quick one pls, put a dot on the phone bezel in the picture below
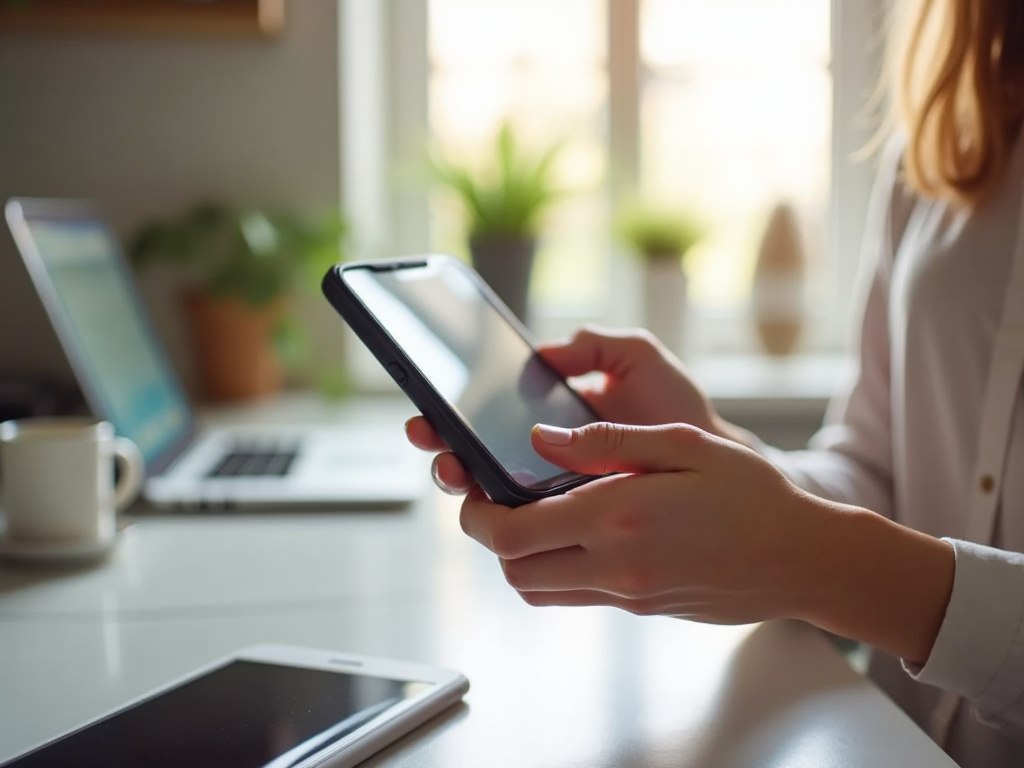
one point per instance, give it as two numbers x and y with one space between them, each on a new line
448 686
442 415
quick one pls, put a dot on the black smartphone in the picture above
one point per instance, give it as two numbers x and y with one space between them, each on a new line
467 363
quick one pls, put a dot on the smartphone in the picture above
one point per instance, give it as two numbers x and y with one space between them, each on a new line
267 706
467 363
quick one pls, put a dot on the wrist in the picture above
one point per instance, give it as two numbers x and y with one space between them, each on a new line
873 580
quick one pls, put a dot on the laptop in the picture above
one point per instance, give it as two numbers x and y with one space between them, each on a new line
79 270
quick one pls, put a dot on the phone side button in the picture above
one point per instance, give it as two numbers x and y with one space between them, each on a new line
397 373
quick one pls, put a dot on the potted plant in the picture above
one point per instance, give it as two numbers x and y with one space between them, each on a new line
662 236
242 266
504 201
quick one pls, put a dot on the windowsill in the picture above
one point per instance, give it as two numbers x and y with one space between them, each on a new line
782 401
754 381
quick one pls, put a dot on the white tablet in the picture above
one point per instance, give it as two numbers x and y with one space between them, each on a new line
268 706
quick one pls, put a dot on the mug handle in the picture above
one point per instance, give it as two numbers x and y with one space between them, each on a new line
131 472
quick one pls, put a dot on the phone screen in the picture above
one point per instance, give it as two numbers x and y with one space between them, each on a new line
242 714
436 312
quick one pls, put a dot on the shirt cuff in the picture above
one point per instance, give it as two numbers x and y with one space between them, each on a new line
979 651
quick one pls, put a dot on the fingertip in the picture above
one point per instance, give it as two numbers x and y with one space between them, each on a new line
550 435
419 432
553 345
450 476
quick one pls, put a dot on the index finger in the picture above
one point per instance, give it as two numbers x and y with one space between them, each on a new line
553 523
595 350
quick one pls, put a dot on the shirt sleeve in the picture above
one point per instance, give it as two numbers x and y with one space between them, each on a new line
850 459
979 651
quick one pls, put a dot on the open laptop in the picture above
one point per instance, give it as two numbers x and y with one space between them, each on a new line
78 267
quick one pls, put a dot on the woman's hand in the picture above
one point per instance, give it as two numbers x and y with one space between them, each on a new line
694 526
631 379
699 527
638 381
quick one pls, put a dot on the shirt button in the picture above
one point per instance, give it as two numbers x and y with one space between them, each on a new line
987 483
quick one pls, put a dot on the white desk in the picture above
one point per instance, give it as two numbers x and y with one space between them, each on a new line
550 687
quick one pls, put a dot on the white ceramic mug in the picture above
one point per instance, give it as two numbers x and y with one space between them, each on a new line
57 476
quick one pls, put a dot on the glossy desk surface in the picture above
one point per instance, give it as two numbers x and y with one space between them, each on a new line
550 687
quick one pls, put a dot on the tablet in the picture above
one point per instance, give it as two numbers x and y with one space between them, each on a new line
267 706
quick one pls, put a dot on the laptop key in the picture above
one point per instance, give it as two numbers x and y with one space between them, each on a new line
255 463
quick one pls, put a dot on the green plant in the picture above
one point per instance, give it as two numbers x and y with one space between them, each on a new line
255 257
508 195
657 231
247 254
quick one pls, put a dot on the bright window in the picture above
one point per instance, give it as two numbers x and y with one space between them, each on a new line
543 65
736 115
724 106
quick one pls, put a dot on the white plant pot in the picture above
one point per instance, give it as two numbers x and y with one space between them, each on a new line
665 302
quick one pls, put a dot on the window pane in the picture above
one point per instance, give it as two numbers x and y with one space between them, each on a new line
736 115
735 108
542 64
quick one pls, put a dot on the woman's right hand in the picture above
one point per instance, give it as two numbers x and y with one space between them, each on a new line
630 379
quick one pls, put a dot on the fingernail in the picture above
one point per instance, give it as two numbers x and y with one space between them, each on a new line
553 435
441 484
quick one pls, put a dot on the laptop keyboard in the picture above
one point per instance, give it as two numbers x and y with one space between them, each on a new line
256 460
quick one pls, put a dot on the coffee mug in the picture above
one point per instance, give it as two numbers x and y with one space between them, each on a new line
57 477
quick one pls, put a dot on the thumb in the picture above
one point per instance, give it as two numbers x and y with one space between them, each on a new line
603 448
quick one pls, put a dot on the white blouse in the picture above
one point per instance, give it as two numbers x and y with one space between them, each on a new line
931 434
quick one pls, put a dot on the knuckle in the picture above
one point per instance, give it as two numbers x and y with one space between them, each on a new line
629 522
643 342
535 599
504 539
685 436
606 434
585 333
513 572
636 582
465 522
642 607
603 441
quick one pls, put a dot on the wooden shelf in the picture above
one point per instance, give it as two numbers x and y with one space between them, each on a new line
232 18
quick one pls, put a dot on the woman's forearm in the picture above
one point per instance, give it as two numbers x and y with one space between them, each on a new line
873 580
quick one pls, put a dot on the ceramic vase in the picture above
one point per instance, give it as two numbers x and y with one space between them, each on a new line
665 299
777 293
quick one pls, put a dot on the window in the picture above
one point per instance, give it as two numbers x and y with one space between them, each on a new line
737 105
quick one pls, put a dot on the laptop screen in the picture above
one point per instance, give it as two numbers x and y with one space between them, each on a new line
105 331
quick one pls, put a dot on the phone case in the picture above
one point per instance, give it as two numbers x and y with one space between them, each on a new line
481 463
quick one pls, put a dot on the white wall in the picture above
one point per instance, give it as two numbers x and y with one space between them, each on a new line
147 125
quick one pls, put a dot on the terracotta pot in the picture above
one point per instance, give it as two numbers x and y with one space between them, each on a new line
505 264
233 346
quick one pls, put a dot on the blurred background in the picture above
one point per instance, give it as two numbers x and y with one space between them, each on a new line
725 111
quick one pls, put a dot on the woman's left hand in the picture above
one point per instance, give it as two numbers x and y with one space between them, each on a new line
694 526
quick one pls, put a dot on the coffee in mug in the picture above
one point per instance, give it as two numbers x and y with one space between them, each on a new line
58 480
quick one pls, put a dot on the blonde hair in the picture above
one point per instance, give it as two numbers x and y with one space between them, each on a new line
959 93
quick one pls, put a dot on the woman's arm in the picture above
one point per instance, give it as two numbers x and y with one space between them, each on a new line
697 527
979 650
